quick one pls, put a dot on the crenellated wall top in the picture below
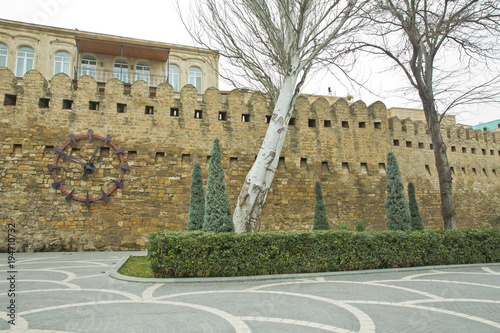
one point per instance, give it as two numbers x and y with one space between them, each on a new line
163 98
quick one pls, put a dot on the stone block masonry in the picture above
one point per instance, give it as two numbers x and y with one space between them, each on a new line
164 132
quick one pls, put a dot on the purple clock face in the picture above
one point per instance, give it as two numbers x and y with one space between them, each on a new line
88 168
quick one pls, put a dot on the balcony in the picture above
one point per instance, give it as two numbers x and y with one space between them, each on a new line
128 77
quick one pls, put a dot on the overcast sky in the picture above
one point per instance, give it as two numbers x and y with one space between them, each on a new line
157 20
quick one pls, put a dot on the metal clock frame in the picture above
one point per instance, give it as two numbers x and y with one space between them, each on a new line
88 167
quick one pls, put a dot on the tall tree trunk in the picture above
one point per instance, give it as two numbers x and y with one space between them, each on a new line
258 180
443 168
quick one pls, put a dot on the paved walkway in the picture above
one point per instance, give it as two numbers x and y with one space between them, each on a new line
74 292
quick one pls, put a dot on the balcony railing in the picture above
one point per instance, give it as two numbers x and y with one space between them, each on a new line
101 75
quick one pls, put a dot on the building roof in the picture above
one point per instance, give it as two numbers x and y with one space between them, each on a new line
157 50
491 125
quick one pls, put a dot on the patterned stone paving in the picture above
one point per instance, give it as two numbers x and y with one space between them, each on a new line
74 292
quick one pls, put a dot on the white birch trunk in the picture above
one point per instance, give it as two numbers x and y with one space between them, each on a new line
258 180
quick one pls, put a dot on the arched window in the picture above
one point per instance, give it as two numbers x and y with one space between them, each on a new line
3 55
195 78
89 65
25 60
62 63
121 70
142 71
485 129
173 76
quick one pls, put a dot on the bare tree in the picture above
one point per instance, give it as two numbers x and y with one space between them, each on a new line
272 45
437 43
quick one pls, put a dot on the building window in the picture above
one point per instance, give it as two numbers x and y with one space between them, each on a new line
25 60
43 103
173 76
121 70
11 100
89 65
381 168
62 63
195 78
93 105
303 164
174 112
121 108
142 72
67 104
3 55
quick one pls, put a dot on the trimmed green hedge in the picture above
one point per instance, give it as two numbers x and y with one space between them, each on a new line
201 254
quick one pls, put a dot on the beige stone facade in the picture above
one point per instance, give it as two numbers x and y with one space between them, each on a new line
79 53
165 127
342 145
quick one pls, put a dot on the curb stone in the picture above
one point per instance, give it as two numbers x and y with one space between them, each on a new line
114 274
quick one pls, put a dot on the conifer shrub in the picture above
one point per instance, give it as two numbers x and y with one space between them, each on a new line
396 206
320 217
416 218
218 215
197 202
201 254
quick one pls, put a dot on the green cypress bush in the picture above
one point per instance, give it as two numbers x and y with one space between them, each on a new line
218 215
416 218
396 206
320 217
197 204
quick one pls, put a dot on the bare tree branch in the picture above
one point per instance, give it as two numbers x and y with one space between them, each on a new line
272 46
437 44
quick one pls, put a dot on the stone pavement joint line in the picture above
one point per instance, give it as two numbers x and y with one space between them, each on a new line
75 292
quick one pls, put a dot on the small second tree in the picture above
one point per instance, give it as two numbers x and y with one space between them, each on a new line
416 218
197 204
218 215
396 206
320 217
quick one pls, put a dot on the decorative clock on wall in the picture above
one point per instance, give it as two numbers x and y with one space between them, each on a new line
88 168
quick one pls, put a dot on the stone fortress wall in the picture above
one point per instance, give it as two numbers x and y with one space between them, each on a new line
342 145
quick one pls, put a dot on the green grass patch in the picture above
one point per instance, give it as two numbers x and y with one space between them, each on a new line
137 267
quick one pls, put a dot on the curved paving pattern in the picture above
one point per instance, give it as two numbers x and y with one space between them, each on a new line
73 292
